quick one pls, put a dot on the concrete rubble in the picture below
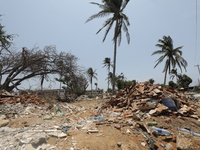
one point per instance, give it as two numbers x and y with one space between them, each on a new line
145 116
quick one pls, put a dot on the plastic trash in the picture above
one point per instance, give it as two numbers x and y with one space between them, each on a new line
48 118
117 126
188 131
98 118
93 131
60 114
151 123
161 131
58 108
151 104
167 120
169 103
65 129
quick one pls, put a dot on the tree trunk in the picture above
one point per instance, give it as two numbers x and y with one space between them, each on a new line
91 85
165 78
108 79
115 55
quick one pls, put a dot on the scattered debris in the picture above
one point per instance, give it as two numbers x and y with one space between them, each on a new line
142 116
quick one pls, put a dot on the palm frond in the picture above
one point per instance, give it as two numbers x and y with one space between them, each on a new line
109 25
98 15
125 2
119 38
157 52
125 29
107 22
99 5
125 19
159 60
166 66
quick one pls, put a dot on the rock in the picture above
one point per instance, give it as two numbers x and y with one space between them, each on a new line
143 144
2 117
119 144
38 142
157 91
4 123
169 146
4 129
29 147
62 135
26 140
194 116
57 134
153 111
183 142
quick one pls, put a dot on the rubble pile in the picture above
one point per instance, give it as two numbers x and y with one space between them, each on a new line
23 99
140 117
144 96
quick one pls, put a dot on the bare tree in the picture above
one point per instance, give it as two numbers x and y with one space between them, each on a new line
32 63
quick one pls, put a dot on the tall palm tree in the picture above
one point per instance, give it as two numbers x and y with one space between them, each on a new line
91 74
114 7
173 56
107 63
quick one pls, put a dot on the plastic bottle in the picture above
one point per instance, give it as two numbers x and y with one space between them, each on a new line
117 126
151 123
99 118
161 131
188 131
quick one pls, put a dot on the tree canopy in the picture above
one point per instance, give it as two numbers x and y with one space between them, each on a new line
172 55
114 7
35 63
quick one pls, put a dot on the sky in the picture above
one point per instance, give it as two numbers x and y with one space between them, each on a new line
62 23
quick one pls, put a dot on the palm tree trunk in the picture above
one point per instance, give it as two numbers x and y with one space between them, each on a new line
115 55
168 67
91 85
165 78
108 78
114 66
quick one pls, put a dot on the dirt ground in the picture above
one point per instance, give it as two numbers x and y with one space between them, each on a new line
108 137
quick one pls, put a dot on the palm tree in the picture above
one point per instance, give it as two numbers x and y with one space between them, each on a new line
96 85
173 56
114 7
151 80
109 78
107 63
91 74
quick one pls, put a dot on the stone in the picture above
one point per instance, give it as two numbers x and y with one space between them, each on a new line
119 144
4 123
2 117
183 142
29 147
57 134
153 111
143 144
169 146
62 135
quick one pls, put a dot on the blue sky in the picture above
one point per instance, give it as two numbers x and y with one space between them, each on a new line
62 23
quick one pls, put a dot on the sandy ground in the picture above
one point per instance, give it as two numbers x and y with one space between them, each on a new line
129 137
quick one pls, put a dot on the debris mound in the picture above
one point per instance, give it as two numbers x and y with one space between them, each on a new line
144 94
23 99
